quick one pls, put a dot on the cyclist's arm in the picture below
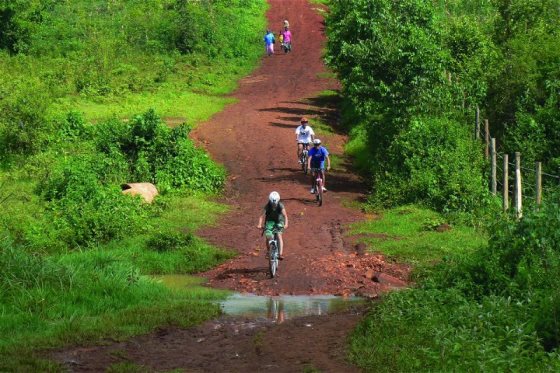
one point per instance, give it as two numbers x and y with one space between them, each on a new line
328 162
261 219
285 218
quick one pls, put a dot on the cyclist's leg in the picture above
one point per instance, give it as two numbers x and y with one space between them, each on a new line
299 150
280 229
313 177
268 227
323 175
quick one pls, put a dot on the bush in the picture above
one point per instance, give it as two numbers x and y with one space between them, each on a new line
169 241
84 210
155 153
23 124
433 161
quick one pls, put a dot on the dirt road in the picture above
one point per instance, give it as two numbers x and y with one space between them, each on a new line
255 140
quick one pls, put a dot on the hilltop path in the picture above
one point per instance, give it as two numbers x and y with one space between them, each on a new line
255 140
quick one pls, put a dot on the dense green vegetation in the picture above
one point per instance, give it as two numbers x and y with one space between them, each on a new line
413 73
411 69
83 89
496 309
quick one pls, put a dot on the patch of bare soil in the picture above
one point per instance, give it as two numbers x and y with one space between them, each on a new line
229 345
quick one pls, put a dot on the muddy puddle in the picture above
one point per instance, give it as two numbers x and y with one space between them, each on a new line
285 307
272 308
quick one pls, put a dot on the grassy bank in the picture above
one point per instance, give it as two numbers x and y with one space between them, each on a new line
89 93
482 302
103 291
417 235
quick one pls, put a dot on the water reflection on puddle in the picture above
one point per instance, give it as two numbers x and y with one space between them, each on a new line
284 307
271 308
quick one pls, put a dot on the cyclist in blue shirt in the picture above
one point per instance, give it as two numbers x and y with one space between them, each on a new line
316 163
269 41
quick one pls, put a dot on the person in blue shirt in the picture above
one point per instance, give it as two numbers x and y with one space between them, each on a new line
316 163
269 41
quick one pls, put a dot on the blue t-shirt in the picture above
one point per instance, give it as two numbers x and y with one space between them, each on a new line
269 38
318 156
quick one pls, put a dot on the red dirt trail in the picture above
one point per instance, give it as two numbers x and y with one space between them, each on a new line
254 138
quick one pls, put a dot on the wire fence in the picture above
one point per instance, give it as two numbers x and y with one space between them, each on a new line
518 181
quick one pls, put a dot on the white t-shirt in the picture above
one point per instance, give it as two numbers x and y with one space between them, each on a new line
304 134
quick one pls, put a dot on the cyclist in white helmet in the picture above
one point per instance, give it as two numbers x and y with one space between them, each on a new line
274 216
304 136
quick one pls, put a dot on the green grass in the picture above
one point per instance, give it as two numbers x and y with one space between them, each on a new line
326 75
82 296
321 2
441 331
356 148
182 214
187 106
192 96
409 234
156 305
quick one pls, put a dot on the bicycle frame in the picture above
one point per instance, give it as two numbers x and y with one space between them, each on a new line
303 158
274 253
319 182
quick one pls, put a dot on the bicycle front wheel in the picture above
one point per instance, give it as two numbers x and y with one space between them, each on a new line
273 262
319 191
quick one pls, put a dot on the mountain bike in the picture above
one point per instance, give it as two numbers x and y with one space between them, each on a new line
273 253
318 185
303 158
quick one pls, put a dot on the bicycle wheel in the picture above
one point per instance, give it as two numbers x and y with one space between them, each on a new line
273 262
320 192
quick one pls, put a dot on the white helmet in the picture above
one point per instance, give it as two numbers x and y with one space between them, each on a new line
316 141
274 197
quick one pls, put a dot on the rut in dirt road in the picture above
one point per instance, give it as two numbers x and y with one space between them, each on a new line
255 140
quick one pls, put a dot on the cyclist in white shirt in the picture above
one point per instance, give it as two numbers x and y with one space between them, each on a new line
304 135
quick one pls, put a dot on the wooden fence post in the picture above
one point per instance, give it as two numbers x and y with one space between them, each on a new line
538 178
518 192
486 138
493 181
477 124
505 192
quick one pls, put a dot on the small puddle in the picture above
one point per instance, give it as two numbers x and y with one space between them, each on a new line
273 308
285 307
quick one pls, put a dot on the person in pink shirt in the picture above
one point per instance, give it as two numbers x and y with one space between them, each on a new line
287 39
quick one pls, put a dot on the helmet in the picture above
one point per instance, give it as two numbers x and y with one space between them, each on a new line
274 197
316 142
304 120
